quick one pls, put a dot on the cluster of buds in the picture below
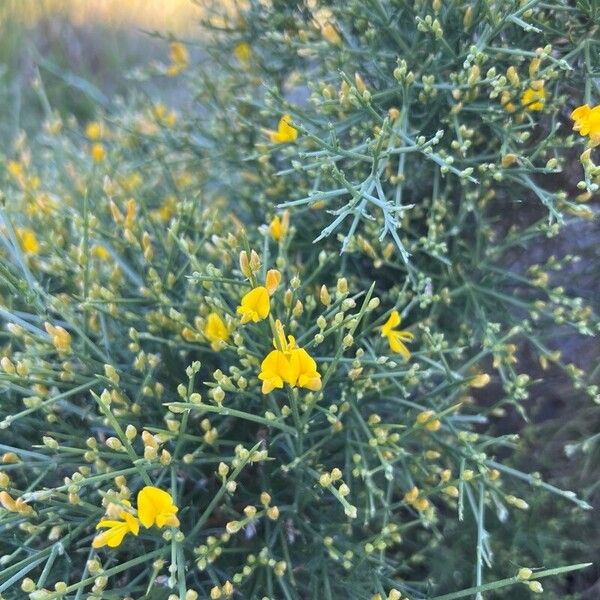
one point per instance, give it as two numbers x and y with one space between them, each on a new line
329 480
382 435
15 505
428 420
21 368
243 456
152 445
345 558
211 550
60 337
389 536
414 498
189 595
224 591
249 265
524 575
517 388
393 594
430 25
252 514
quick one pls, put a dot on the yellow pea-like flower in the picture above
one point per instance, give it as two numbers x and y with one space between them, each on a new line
97 152
275 370
308 376
179 58
587 122
93 131
28 241
288 364
156 507
178 53
243 52
15 169
534 99
100 252
215 331
116 530
285 131
255 305
395 337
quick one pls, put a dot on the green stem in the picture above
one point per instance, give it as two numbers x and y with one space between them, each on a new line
123 438
496 585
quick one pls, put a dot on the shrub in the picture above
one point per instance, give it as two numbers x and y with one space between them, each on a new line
156 265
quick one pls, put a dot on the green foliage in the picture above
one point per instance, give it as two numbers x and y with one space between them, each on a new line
425 155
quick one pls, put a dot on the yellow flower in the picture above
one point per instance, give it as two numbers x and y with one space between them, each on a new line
116 530
275 370
179 58
581 116
216 331
288 364
587 122
279 227
308 376
534 99
255 305
97 152
93 131
163 115
396 338
285 132
178 53
28 241
243 52
155 506
100 252
16 169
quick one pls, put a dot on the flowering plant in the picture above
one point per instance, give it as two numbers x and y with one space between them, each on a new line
181 328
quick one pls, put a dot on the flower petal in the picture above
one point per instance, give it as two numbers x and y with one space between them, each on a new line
397 346
133 523
393 321
111 537
255 305
152 501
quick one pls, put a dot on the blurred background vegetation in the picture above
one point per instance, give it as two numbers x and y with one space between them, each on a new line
85 55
